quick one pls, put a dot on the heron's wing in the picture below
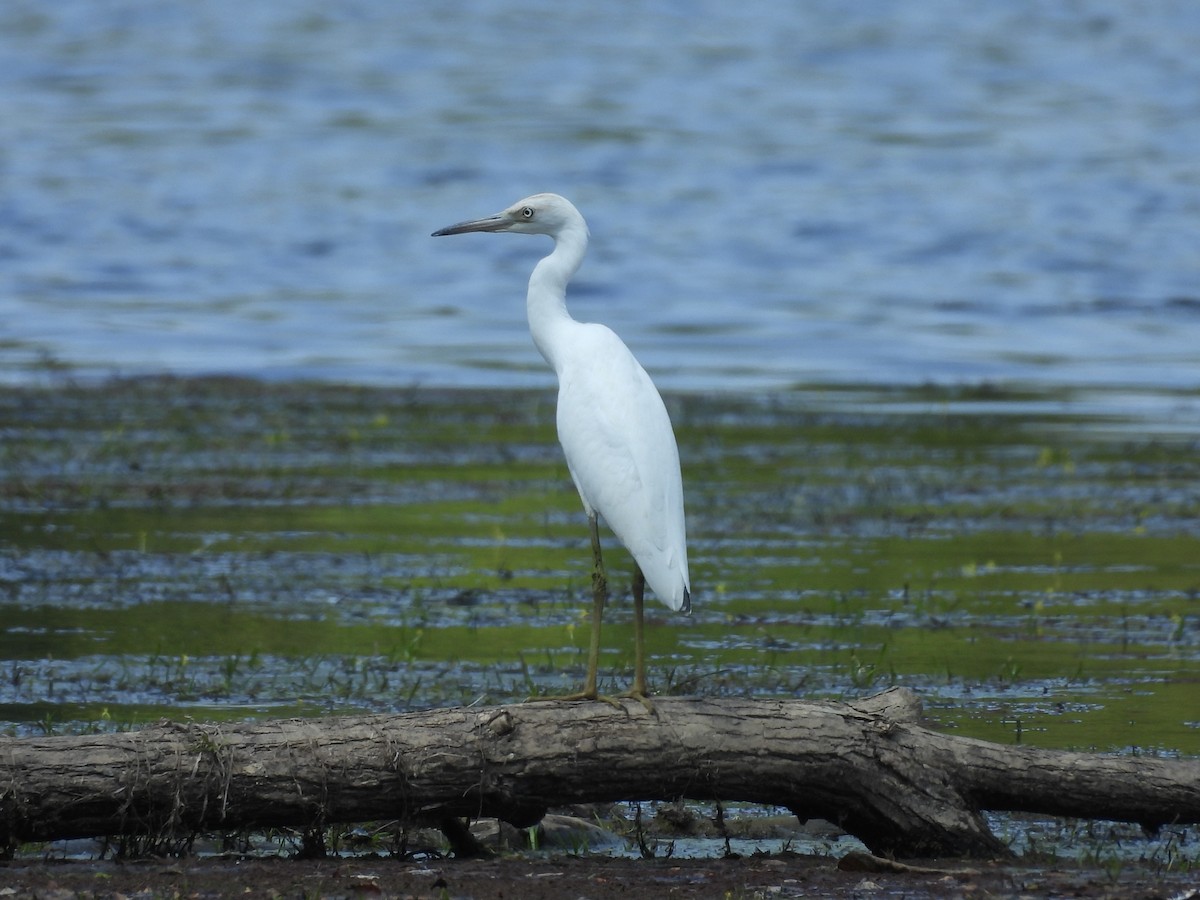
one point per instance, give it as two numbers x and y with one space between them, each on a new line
622 454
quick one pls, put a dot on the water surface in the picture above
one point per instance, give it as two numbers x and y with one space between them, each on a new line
778 193
230 549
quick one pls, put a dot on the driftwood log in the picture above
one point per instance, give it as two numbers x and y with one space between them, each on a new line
869 766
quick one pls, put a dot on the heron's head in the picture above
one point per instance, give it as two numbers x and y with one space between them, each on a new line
540 214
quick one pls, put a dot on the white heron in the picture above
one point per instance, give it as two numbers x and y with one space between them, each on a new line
612 424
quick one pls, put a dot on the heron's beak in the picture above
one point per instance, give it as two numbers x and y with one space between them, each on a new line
497 222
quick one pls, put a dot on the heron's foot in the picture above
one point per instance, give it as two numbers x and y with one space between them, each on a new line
579 697
640 696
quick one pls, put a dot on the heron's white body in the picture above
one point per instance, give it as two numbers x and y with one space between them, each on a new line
613 426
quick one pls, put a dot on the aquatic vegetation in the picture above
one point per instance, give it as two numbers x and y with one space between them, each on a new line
228 549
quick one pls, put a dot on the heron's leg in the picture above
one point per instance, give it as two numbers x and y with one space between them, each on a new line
638 691
599 597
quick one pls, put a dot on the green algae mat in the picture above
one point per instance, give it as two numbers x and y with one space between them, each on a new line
226 549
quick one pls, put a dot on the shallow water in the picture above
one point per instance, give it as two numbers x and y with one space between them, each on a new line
229 549
779 194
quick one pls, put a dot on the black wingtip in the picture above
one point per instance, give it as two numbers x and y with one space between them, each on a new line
686 609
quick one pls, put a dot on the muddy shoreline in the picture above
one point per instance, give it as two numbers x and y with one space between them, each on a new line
568 876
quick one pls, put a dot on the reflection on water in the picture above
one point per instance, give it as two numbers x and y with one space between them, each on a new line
803 193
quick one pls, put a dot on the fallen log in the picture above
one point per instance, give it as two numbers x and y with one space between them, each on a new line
868 766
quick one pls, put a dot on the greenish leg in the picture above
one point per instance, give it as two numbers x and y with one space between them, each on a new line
638 691
599 597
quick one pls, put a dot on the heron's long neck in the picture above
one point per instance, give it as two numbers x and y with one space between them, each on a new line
546 303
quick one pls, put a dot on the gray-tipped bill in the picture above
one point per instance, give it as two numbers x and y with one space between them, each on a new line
497 222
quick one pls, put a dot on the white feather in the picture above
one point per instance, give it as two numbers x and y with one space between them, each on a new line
621 450
612 423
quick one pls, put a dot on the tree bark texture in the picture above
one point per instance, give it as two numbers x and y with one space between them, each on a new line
868 766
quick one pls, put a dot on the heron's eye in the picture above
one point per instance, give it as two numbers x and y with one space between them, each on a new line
527 212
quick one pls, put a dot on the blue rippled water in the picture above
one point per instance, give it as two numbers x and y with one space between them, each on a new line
779 193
